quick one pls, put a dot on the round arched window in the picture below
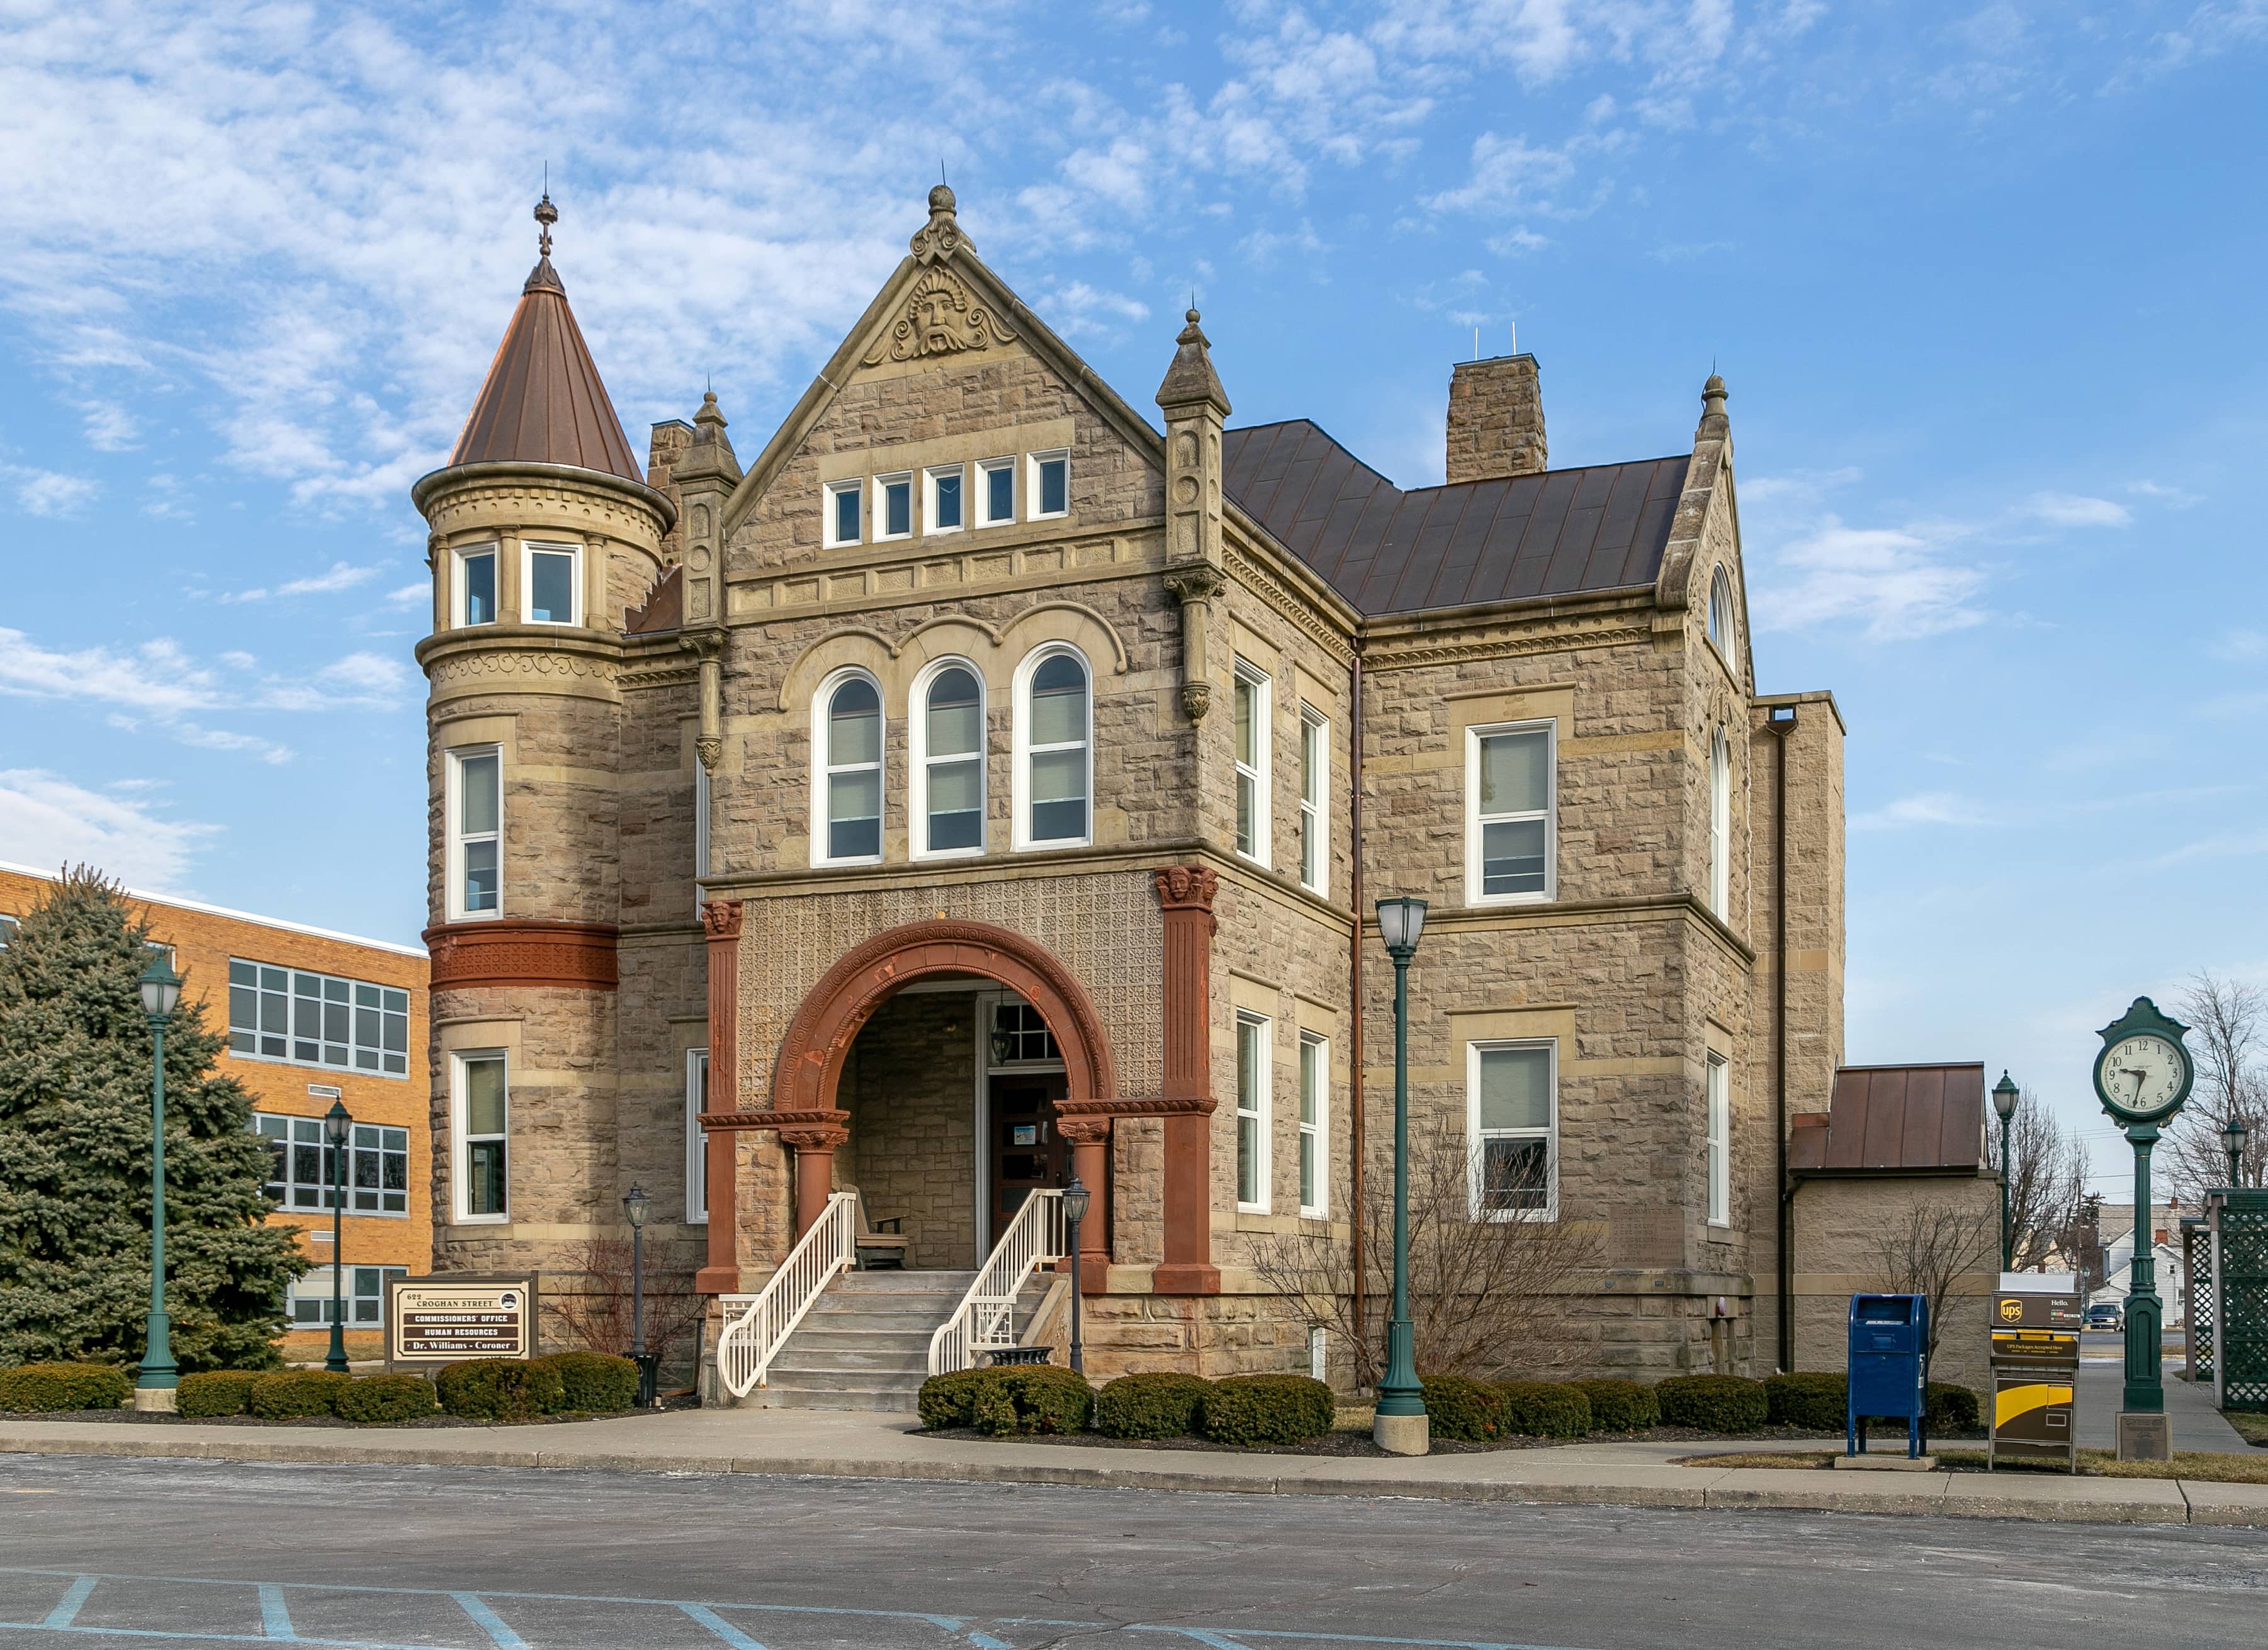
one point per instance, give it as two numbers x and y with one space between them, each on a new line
854 771
952 761
1721 612
1055 751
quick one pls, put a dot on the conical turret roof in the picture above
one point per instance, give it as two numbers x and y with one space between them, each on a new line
544 402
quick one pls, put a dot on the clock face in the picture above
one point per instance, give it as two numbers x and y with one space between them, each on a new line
2142 1075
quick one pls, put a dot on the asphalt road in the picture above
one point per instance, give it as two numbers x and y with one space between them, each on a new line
169 1553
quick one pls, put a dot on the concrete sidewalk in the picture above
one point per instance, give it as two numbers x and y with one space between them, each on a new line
812 1443
2196 1423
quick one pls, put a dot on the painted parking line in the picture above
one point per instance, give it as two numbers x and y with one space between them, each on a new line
483 1608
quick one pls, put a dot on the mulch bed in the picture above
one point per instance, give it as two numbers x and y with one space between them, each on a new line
1357 1444
137 1418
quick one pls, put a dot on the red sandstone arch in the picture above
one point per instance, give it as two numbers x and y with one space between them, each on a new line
819 1038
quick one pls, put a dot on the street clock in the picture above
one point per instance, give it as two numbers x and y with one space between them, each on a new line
2144 1073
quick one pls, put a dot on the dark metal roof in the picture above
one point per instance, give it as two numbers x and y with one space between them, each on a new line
544 402
1601 527
1909 1120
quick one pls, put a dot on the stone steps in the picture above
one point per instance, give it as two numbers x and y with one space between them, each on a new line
865 1343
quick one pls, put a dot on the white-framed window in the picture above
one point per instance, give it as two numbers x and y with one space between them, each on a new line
1252 1078
1510 802
474 853
473 590
1315 809
1720 825
1720 612
1512 1119
1314 1125
1251 696
700 834
1055 749
995 483
894 506
302 1163
845 502
947 734
696 1138
1720 1141
551 584
1047 485
945 503
1020 1036
7 930
846 805
308 1299
480 1093
306 1019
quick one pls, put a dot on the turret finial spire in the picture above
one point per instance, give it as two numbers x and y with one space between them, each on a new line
545 215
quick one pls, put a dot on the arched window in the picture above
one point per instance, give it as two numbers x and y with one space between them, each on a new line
948 730
1055 771
1720 612
1720 825
849 739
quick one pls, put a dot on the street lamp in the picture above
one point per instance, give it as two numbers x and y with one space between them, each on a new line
153 1388
1400 1425
2004 1102
634 1204
1074 1202
2232 1141
338 1124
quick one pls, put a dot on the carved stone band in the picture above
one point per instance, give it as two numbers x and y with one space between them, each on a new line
522 951
715 1121
1155 1106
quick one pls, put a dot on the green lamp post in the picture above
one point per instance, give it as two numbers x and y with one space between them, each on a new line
2232 1141
1401 1426
2004 1102
2142 1077
153 1388
338 1125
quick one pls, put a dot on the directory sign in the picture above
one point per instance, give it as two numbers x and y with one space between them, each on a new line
443 1319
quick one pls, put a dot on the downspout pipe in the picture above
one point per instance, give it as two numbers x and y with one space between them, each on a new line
1355 1138
1781 719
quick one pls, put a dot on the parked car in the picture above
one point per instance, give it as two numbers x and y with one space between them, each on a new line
2105 1315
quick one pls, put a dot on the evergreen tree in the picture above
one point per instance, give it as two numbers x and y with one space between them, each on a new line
75 1156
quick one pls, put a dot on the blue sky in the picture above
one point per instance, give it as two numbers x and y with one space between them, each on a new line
1985 283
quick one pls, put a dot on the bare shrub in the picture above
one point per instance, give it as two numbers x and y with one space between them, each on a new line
1487 1296
595 1309
1926 1253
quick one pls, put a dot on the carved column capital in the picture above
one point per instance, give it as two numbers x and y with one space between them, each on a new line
720 919
1186 887
1086 1131
1199 583
814 1139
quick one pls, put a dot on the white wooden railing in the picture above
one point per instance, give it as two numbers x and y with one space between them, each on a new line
985 1319
753 1339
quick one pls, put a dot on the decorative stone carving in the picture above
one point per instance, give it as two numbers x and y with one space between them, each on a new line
720 919
1184 887
940 318
940 238
709 751
522 951
1196 699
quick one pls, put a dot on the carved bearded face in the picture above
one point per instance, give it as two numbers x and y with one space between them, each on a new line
938 313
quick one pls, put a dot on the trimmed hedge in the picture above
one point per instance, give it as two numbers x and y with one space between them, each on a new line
1544 1409
1022 1398
215 1392
387 1397
1459 1408
63 1386
594 1382
950 1400
1816 1398
1953 1409
1268 1409
1714 1403
1620 1406
1163 1404
290 1394
500 1389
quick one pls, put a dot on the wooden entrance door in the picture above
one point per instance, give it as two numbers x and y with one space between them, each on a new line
1028 1150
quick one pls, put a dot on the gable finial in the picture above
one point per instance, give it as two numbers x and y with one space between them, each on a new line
941 236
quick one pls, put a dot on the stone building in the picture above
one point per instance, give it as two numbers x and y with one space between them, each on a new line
978 785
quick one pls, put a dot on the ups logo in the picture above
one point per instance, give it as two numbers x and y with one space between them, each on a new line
2012 1311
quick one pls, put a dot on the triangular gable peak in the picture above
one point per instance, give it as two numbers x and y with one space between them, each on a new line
942 307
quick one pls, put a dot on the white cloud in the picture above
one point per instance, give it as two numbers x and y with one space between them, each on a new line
49 492
342 576
47 821
2073 510
2172 497
110 427
1895 581
1928 808
408 593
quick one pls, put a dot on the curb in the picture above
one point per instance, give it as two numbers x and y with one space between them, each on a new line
2165 1500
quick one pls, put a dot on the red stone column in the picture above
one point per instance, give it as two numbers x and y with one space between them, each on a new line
1185 895
720 919
815 1167
1090 1165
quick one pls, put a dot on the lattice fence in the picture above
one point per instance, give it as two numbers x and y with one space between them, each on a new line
2244 1317
2197 1267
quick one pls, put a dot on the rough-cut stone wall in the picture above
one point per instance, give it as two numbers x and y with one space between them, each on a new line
1496 419
911 1091
1842 1227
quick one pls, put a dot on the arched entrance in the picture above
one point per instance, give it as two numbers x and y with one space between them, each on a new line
808 1072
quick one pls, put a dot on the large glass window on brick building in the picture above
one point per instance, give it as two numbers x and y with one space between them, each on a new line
316 1020
377 1168
362 1303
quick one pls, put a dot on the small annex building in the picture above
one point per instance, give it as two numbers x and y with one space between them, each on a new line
985 781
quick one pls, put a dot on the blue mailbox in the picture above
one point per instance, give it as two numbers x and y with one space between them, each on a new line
1889 1367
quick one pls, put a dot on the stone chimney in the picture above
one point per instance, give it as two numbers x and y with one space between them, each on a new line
1496 419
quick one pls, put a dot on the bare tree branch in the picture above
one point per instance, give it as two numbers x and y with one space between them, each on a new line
2048 1180
1935 1245
597 1315
1487 1296
2228 1019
